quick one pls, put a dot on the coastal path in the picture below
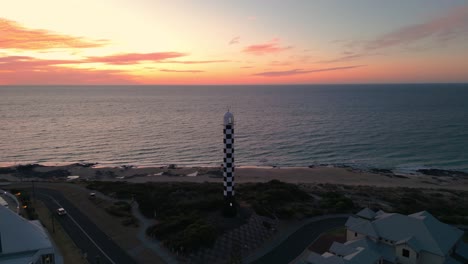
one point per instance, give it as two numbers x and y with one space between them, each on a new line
95 244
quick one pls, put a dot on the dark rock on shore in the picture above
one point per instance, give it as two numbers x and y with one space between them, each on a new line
443 173
126 167
170 173
7 170
381 171
215 173
344 166
85 164
42 174
28 167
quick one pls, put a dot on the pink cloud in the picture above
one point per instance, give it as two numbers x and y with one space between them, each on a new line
182 71
234 40
194 62
302 71
22 70
266 48
443 28
15 36
25 62
451 25
347 57
280 63
132 58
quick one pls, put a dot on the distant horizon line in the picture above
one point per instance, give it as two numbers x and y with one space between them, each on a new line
194 85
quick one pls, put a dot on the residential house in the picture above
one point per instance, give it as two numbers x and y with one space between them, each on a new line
381 238
23 241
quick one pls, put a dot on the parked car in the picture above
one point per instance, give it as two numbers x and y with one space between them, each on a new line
61 211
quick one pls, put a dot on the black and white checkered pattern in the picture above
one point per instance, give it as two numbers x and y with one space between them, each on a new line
228 165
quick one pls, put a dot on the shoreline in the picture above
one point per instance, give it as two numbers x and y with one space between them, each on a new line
404 171
322 174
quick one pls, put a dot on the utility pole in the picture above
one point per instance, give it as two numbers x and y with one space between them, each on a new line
34 191
53 223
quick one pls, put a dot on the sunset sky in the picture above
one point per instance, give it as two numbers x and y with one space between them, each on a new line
232 42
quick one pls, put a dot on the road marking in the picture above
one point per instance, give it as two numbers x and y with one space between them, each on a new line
76 223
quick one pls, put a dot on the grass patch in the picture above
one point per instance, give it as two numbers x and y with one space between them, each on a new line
336 232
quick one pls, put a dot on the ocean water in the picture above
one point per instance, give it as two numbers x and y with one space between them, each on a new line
402 127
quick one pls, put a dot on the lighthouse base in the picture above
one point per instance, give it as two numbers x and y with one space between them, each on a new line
230 207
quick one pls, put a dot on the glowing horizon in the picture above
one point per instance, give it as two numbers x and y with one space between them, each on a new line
211 42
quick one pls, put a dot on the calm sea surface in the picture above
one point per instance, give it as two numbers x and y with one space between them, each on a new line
401 127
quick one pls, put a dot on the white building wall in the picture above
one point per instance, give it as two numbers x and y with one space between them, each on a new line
351 235
405 260
428 258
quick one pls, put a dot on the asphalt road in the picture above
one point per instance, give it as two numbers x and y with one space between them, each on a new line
295 244
87 236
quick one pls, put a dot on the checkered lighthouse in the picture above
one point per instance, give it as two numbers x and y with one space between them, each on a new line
228 165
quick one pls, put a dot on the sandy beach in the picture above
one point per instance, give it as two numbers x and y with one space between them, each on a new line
314 175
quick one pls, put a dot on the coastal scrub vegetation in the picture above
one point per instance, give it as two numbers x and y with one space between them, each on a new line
449 206
277 199
123 210
189 214
31 170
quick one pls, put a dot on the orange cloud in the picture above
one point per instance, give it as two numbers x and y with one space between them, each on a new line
15 36
194 62
22 70
265 48
132 58
301 71
182 71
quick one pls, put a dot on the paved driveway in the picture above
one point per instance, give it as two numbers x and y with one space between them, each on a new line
295 244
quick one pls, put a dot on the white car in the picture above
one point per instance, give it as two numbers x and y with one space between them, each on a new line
61 211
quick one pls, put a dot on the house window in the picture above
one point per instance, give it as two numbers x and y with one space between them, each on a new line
405 253
47 259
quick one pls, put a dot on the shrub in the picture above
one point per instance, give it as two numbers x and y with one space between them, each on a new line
337 202
131 221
